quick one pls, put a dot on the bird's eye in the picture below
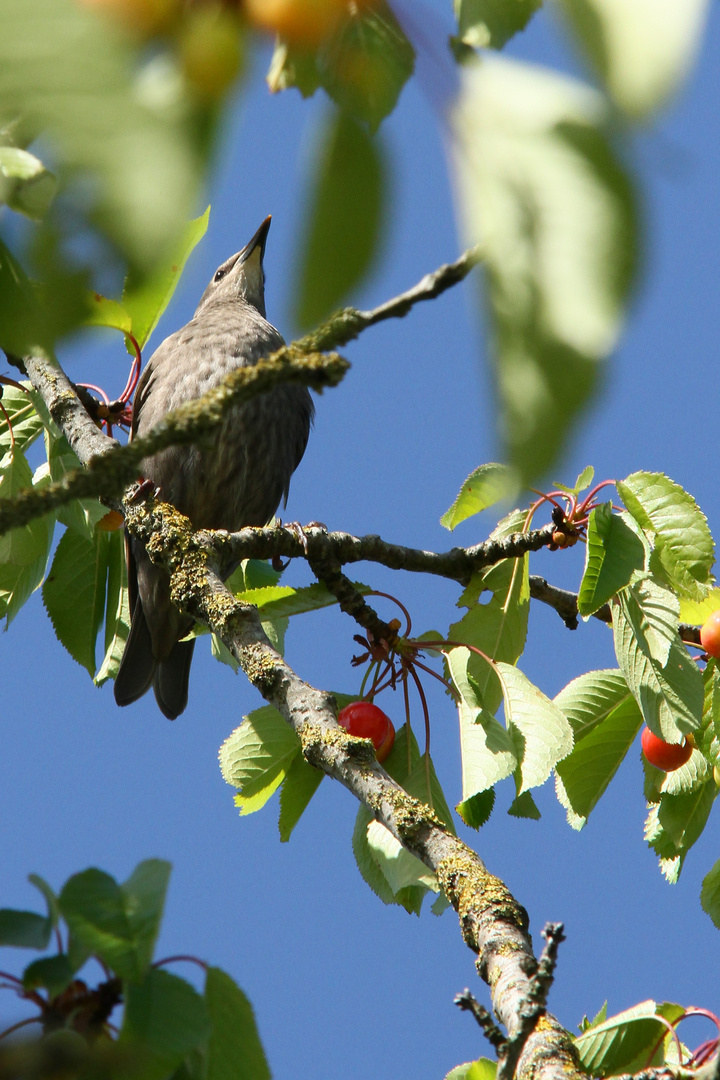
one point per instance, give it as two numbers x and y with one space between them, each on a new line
220 274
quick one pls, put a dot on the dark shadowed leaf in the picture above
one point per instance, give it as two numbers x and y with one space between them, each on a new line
343 229
24 929
74 593
612 554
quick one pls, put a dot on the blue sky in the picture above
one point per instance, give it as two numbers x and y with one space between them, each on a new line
342 985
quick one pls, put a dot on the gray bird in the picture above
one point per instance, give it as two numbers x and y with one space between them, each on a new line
239 481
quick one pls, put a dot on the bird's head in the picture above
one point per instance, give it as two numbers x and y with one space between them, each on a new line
241 277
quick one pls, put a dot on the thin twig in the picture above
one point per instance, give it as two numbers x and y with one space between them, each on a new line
490 1030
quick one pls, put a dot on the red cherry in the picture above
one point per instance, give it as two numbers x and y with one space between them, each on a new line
366 721
665 756
710 634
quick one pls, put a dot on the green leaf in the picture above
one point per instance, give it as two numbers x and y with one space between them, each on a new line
299 785
82 515
682 540
234 1049
104 312
144 300
674 824
53 973
24 420
697 611
23 551
50 898
486 24
74 593
605 719
343 228
259 752
117 609
612 554
25 184
710 894
662 676
542 191
482 1069
642 51
497 628
476 810
74 76
399 868
144 894
22 327
282 601
166 1015
524 806
363 66
487 750
117 923
24 929
484 487
540 732
624 1043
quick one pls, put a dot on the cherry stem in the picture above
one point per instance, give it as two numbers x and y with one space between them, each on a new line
406 613
7 419
12 978
134 375
406 696
20 1024
5 380
181 957
671 1030
426 714
369 668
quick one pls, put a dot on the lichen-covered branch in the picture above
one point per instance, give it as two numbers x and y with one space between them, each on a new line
492 922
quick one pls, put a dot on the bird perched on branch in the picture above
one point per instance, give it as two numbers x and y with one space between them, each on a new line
238 481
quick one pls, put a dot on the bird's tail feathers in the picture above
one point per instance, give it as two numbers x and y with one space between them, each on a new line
171 679
138 665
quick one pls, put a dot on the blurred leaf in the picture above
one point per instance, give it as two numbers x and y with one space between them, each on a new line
23 551
165 1014
258 752
613 552
605 719
50 898
543 193
22 326
681 537
491 23
343 228
71 74
363 66
540 732
663 678
498 627
144 893
24 929
25 184
300 784
52 972
484 487
104 312
234 1049
74 593
710 894
145 300
641 50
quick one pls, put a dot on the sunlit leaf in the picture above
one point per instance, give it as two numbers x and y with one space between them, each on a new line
710 894
539 730
25 184
484 487
542 192
491 23
258 752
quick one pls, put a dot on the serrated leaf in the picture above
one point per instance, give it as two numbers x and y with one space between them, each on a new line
343 227
300 784
682 540
524 806
710 894
363 66
623 1043
541 190
476 810
24 929
234 1049
540 732
23 551
482 1069
166 1015
53 973
675 823
74 593
399 868
484 487
497 628
490 24
605 719
410 898
663 678
25 184
144 301
612 554
642 50
259 752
